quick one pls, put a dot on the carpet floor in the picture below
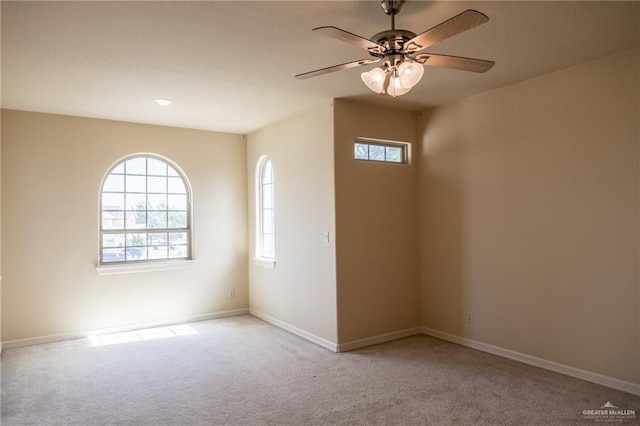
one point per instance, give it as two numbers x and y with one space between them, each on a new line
243 371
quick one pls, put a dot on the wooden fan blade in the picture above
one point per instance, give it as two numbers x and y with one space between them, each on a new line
455 62
456 25
356 40
334 68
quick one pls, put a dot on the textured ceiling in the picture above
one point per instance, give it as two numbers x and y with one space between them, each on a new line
229 66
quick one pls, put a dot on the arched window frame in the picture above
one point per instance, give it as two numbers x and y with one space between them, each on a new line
142 245
265 211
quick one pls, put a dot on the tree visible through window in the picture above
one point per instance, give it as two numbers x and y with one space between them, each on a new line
144 211
265 214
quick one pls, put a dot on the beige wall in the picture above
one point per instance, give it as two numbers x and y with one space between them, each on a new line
52 167
529 217
301 289
376 226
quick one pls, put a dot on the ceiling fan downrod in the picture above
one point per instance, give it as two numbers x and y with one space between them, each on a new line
392 8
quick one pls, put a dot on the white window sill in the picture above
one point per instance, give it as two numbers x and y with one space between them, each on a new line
143 267
266 263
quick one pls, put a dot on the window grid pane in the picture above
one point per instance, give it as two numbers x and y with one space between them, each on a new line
135 196
361 151
156 167
393 154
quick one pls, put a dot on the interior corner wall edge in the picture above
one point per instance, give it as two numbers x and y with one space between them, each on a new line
529 207
301 290
52 168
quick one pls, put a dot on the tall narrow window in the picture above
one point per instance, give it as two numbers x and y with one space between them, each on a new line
145 211
265 217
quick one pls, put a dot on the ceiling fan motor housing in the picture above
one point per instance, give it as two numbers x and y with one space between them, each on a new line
393 40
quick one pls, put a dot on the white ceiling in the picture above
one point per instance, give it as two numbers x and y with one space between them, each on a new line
229 66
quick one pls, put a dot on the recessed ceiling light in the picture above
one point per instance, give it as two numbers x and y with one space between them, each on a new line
163 102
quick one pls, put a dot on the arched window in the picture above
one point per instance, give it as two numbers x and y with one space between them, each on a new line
145 211
265 217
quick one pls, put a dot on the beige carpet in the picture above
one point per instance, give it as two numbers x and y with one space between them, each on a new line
241 370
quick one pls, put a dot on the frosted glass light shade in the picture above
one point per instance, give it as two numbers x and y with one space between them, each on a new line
410 73
374 79
395 87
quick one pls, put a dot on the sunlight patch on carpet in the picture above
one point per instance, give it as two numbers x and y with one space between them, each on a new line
141 335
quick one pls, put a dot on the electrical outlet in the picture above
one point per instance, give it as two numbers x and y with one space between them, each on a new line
231 294
469 316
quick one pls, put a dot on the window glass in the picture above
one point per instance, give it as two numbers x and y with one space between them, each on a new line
177 202
362 151
114 183
393 154
136 201
156 167
135 183
176 186
157 185
136 166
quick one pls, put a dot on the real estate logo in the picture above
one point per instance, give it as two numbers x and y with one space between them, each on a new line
609 413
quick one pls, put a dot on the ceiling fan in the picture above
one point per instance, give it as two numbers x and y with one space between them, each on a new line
400 51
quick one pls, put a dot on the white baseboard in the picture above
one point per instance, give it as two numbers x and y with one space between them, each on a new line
343 347
382 338
83 334
611 382
295 330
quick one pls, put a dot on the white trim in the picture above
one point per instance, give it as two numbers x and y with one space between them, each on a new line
264 262
129 268
611 382
83 334
295 330
382 338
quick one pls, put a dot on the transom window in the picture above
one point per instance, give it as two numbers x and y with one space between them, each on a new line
377 150
145 207
265 214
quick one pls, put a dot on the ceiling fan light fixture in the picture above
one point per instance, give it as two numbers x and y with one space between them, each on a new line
374 79
395 88
410 73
